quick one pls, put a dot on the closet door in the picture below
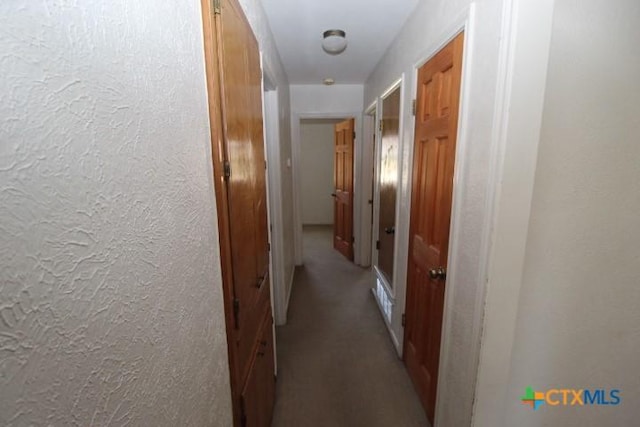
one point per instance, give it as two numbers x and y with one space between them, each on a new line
245 174
235 101
259 390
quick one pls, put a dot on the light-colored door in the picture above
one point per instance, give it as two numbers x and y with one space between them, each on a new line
343 188
431 196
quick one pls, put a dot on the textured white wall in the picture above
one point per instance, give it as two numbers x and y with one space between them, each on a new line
317 172
578 318
428 28
110 291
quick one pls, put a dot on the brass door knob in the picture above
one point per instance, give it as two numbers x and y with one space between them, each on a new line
439 273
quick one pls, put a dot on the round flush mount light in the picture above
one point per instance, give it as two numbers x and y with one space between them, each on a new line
328 81
334 42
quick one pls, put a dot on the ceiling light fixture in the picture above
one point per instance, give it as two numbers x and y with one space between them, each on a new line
328 81
334 42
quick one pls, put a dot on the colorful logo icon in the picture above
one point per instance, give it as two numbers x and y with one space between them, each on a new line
571 397
532 398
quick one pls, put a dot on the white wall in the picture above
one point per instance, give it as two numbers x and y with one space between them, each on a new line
578 319
319 101
526 37
316 140
110 290
273 66
430 26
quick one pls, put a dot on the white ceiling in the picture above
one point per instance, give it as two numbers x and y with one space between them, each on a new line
371 26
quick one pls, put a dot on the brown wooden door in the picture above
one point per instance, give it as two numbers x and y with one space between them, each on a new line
433 161
235 103
388 177
259 389
246 191
343 185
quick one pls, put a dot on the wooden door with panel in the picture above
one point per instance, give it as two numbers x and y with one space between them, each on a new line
388 182
241 90
343 185
235 100
258 393
431 196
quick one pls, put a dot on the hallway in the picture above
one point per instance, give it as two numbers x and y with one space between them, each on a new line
336 363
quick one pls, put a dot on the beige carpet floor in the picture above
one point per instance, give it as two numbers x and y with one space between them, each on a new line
336 363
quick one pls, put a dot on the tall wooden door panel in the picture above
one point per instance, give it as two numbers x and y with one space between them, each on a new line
242 112
388 181
259 390
343 184
431 196
235 101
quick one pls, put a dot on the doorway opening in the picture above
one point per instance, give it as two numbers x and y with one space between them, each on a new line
317 171
359 204
327 178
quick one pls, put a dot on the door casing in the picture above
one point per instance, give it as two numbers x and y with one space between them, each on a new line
369 150
279 277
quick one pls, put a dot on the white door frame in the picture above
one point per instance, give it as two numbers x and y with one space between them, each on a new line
369 132
522 75
271 128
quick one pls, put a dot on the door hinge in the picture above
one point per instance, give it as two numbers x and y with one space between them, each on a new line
413 107
404 319
354 134
378 244
353 239
381 125
227 170
265 165
236 312
215 7
269 247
